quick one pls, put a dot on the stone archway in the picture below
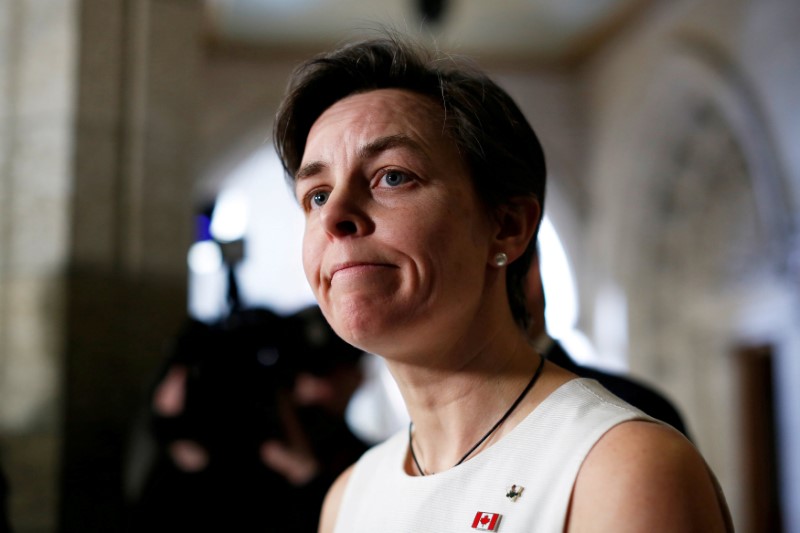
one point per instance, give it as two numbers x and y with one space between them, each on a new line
705 244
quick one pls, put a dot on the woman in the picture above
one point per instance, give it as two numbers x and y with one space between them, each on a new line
423 186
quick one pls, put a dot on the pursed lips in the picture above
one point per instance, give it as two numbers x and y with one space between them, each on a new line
356 268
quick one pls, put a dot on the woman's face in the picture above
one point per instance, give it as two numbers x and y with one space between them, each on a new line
397 243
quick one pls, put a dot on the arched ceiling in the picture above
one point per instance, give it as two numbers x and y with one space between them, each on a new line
545 30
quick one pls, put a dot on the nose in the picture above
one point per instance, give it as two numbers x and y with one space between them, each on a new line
345 214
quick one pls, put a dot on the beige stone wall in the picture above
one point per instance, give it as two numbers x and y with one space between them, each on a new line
37 81
134 173
97 170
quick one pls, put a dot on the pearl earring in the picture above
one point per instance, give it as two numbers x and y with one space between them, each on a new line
500 259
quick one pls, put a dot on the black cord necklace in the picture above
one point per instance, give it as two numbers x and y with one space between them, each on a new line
503 418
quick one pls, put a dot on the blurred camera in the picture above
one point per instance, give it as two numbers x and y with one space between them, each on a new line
239 369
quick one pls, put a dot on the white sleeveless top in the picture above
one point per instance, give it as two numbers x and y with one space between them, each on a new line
541 457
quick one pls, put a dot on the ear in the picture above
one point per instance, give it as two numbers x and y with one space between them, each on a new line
517 222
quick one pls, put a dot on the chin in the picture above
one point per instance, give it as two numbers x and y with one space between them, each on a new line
366 327
363 332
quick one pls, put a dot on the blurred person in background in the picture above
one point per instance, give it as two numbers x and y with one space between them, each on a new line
248 421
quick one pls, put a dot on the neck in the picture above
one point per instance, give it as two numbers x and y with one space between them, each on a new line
480 442
453 407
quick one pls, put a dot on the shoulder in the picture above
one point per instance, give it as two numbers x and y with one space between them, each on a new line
637 393
333 501
643 476
642 396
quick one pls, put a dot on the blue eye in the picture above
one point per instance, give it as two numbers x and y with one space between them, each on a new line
394 178
319 198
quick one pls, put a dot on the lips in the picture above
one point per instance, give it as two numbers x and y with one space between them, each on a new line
356 268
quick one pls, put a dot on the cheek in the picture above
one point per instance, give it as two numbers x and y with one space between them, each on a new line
312 259
465 229
452 248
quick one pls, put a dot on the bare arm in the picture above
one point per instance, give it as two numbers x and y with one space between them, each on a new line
644 477
333 501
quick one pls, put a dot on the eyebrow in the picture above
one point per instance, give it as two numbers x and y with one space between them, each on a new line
308 170
367 151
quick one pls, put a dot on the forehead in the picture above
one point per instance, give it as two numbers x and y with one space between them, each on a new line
362 116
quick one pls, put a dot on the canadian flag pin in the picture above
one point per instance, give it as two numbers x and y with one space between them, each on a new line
486 521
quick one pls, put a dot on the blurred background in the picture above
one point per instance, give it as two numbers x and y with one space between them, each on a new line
137 173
